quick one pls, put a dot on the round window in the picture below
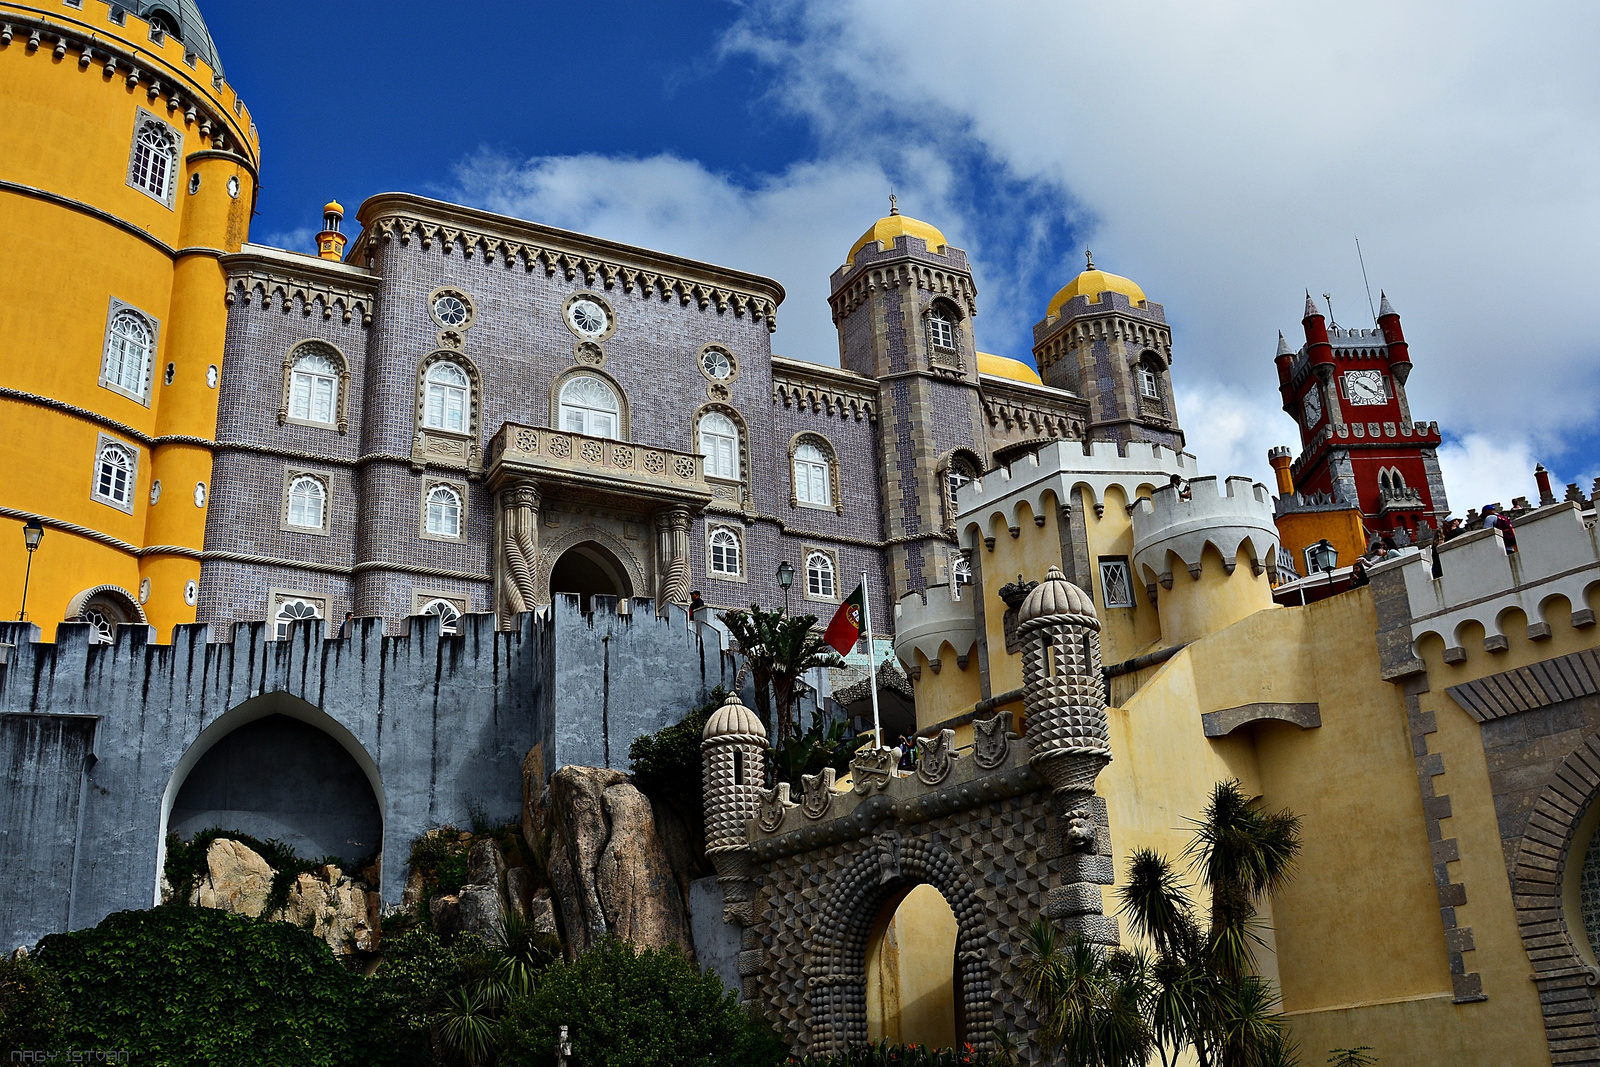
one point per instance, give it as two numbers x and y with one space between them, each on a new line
716 364
450 310
586 318
233 187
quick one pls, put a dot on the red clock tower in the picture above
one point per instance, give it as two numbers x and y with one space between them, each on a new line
1347 390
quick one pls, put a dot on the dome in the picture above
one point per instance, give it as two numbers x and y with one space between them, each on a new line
734 720
1091 283
1055 596
1002 367
180 18
893 225
333 207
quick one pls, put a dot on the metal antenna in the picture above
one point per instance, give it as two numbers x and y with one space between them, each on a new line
1331 320
1364 280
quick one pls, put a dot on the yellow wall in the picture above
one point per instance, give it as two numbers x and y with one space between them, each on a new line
1343 529
69 133
911 970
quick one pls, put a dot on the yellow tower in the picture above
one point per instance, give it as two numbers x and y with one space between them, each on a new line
330 242
130 167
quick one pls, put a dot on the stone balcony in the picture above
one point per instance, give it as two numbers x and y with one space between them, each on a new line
1401 499
558 459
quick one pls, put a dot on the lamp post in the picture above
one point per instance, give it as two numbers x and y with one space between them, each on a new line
785 580
32 534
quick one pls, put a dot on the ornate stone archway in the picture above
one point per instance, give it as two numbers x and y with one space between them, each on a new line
836 976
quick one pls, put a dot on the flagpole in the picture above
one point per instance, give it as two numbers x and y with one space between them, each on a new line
872 665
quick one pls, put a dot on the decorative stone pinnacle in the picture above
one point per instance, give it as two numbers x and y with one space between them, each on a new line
1089 256
894 206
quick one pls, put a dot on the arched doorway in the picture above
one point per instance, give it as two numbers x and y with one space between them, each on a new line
589 570
276 767
913 994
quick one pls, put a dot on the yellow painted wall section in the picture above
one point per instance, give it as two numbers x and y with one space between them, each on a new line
1194 607
951 692
1343 529
911 971
1124 632
1032 552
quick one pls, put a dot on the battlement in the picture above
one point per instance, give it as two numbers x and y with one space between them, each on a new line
1171 523
1302 503
1061 467
1109 303
931 623
1557 560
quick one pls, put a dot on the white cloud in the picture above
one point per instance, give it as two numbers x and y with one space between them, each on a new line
1479 469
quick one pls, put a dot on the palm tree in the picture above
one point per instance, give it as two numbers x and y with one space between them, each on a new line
779 648
1092 1008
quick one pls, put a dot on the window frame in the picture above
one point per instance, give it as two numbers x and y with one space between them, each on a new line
807 554
713 467
1121 563
116 310
423 599
146 120
589 410
278 598
429 486
291 477
103 443
315 346
830 460
958 565
737 536
728 493
733 363
592 371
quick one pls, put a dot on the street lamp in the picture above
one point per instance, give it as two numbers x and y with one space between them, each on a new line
32 534
1324 557
785 580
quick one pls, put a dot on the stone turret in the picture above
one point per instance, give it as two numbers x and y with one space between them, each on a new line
1065 699
733 766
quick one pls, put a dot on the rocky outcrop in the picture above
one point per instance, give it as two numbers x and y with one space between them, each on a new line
237 879
325 903
608 864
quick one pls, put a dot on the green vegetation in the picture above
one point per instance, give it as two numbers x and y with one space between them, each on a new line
627 1008
883 1054
666 764
779 648
32 1008
186 864
1194 988
1352 1057
195 986
823 745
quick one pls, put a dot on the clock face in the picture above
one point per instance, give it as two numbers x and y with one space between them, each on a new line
1313 407
1365 387
586 318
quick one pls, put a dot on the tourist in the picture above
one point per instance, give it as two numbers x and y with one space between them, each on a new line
349 616
695 603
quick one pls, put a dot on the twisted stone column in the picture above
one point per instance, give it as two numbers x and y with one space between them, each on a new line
672 556
516 589
1069 738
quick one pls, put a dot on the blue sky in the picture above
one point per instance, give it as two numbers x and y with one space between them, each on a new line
1223 155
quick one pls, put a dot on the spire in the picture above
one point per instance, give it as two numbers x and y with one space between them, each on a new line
894 206
1088 255
1311 307
1283 346
1385 308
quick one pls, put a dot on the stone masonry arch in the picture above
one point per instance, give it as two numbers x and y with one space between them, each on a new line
836 976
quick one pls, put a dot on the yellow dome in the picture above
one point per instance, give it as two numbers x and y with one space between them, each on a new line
893 225
1002 367
1091 283
333 207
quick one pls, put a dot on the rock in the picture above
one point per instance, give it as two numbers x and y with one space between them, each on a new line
445 913
519 890
479 909
411 895
638 891
465 835
542 913
333 908
486 864
237 879
532 787
608 866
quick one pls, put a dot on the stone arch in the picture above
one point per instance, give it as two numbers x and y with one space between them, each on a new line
836 976
1539 883
251 711
110 603
554 548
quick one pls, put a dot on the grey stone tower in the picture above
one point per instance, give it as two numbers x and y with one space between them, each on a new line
903 303
1102 339
731 758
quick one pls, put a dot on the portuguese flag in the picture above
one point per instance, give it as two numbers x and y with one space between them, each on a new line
845 629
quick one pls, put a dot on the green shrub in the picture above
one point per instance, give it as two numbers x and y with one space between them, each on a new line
666 764
824 745
186 864
414 980
32 1008
195 986
883 1054
626 1008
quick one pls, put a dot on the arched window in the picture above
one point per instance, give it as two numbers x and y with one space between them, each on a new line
314 388
308 501
1149 377
104 608
1383 481
960 574
291 611
448 614
813 482
113 475
445 405
724 545
444 511
154 160
589 405
960 474
128 345
820 579
941 329
719 443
